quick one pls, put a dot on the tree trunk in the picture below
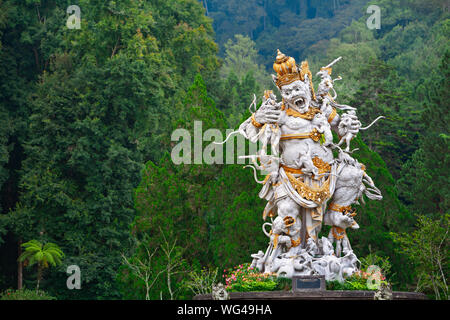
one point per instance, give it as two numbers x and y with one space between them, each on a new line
147 291
19 266
39 276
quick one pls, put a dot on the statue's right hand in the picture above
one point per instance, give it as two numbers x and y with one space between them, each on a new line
268 112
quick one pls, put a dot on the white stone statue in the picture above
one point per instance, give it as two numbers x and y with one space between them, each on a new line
219 292
306 186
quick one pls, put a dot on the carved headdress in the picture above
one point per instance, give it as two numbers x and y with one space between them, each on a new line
288 71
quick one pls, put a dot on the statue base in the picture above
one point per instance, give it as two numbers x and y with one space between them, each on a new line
315 295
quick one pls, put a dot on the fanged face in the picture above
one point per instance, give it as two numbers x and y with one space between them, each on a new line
297 95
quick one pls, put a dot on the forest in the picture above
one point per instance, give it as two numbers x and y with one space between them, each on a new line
87 116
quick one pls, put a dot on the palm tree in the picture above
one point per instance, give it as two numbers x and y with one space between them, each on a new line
43 255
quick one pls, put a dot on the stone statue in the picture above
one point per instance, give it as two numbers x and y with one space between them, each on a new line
306 186
219 292
384 292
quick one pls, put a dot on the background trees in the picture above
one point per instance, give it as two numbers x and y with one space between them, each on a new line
86 117
84 109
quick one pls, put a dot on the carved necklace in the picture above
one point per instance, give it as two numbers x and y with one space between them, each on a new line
308 115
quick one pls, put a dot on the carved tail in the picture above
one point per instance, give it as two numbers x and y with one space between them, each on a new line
228 137
254 173
365 128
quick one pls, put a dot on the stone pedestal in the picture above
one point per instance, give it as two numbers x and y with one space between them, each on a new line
315 295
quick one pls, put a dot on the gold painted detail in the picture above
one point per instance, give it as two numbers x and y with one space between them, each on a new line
255 123
318 195
289 221
295 243
286 79
338 233
287 71
329 70
277 184
318 162
304 70
314 135
321 165
332 115
308 115
267 93
275 241
343 209
291 170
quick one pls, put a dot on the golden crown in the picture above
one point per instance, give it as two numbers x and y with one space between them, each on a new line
288 71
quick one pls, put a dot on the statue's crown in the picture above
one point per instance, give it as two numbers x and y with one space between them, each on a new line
288 71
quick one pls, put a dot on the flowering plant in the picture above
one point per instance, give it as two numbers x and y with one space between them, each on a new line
368 279
245 278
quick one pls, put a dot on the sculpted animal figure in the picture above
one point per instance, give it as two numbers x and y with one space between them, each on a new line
349 189
283 240
305 162
345 130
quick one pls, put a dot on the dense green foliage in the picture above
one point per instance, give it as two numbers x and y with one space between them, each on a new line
293 25
427 250
84 110
86 118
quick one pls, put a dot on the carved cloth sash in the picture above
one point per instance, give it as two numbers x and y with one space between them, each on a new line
314 210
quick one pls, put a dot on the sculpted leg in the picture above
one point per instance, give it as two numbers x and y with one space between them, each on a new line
289 211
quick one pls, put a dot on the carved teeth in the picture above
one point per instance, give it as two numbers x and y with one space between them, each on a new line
299 102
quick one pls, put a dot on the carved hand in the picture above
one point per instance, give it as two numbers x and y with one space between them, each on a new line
269 112
352 122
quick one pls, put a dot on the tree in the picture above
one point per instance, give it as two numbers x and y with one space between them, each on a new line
171 195
427 249
380 93
241 58
142 268
173 255
42 255
424 183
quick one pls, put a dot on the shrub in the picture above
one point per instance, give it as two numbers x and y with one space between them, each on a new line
201 282
243 278
367 279
25 294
